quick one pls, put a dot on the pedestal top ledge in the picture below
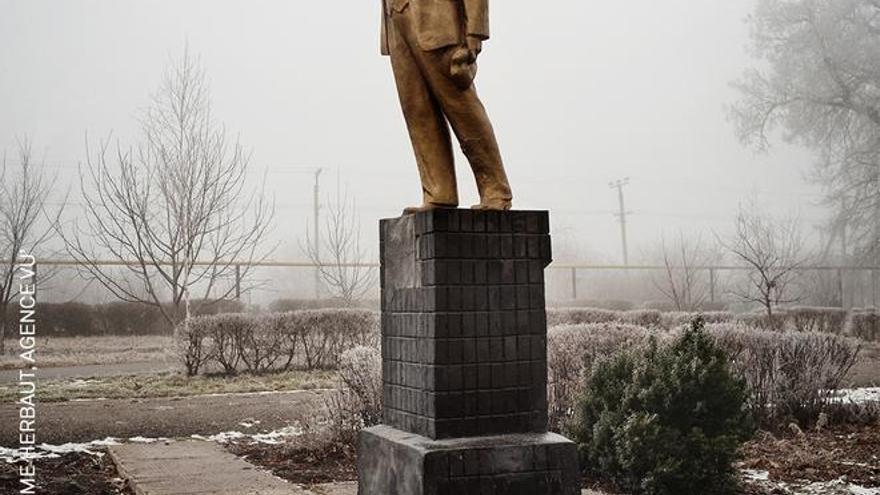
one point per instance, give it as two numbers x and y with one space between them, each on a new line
478 221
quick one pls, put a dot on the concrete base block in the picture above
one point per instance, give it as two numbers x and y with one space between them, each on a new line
393 462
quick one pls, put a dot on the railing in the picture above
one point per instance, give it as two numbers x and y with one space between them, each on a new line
572 268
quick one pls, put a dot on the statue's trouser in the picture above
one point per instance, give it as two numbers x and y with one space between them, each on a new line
429 98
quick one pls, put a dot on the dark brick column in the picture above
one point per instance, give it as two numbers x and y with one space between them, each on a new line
464 352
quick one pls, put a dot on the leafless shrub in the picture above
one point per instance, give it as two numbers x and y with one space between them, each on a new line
684 280
773 251
326 333
571 350
760 319
789 375
261 347
610 304
867 413
358 402
580 316
650 318
864 324
816 319
191 348
255 343
676 319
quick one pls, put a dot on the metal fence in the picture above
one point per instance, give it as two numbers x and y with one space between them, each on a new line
848 285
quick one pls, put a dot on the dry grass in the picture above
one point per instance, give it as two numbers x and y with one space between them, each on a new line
172 385
866 372
79 351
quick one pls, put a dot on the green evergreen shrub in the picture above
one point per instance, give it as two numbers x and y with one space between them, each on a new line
664 419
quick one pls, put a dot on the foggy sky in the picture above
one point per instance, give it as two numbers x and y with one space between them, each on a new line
580 93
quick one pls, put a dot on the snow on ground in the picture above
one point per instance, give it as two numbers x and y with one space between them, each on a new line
270 438
836 487
45 451
857 395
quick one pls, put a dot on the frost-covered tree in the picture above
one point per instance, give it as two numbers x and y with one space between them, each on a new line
773 251
684 281
817 79
175 211
24 191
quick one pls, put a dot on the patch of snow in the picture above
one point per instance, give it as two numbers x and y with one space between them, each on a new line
857 395
835 487
221 437
14 455
249 423
84 448
147 440
755 475
277 436
271 438
48 451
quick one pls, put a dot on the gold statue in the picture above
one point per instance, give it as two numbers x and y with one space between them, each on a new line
434 46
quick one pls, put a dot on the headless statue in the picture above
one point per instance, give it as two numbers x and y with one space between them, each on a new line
434 45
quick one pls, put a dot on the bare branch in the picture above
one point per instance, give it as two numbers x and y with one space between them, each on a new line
177 204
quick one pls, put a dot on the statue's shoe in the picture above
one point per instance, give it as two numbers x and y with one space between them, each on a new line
426 207
494 206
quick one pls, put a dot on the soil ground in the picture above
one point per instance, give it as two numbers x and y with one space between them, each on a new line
848 452
70 474
851 453
84 421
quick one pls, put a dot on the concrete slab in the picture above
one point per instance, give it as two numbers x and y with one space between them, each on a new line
193 468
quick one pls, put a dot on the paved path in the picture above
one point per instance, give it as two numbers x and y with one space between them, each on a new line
84 421
204 468
92 371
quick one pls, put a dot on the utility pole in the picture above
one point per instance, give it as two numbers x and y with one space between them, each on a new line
317 241
621 215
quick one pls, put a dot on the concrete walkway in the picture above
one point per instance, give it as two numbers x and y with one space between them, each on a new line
192 467
206 468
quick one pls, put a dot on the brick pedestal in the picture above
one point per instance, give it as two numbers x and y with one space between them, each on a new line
464 354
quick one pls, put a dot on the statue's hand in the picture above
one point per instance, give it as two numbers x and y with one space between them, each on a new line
475 46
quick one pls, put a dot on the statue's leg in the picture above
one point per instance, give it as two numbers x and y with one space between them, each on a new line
427 126
471 124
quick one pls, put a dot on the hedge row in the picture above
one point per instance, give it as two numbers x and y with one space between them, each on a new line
789 375
72 319
861 323
256 343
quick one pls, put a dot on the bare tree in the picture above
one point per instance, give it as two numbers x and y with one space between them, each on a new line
820 84
23 197
773 251
684 278
175 210
343 268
